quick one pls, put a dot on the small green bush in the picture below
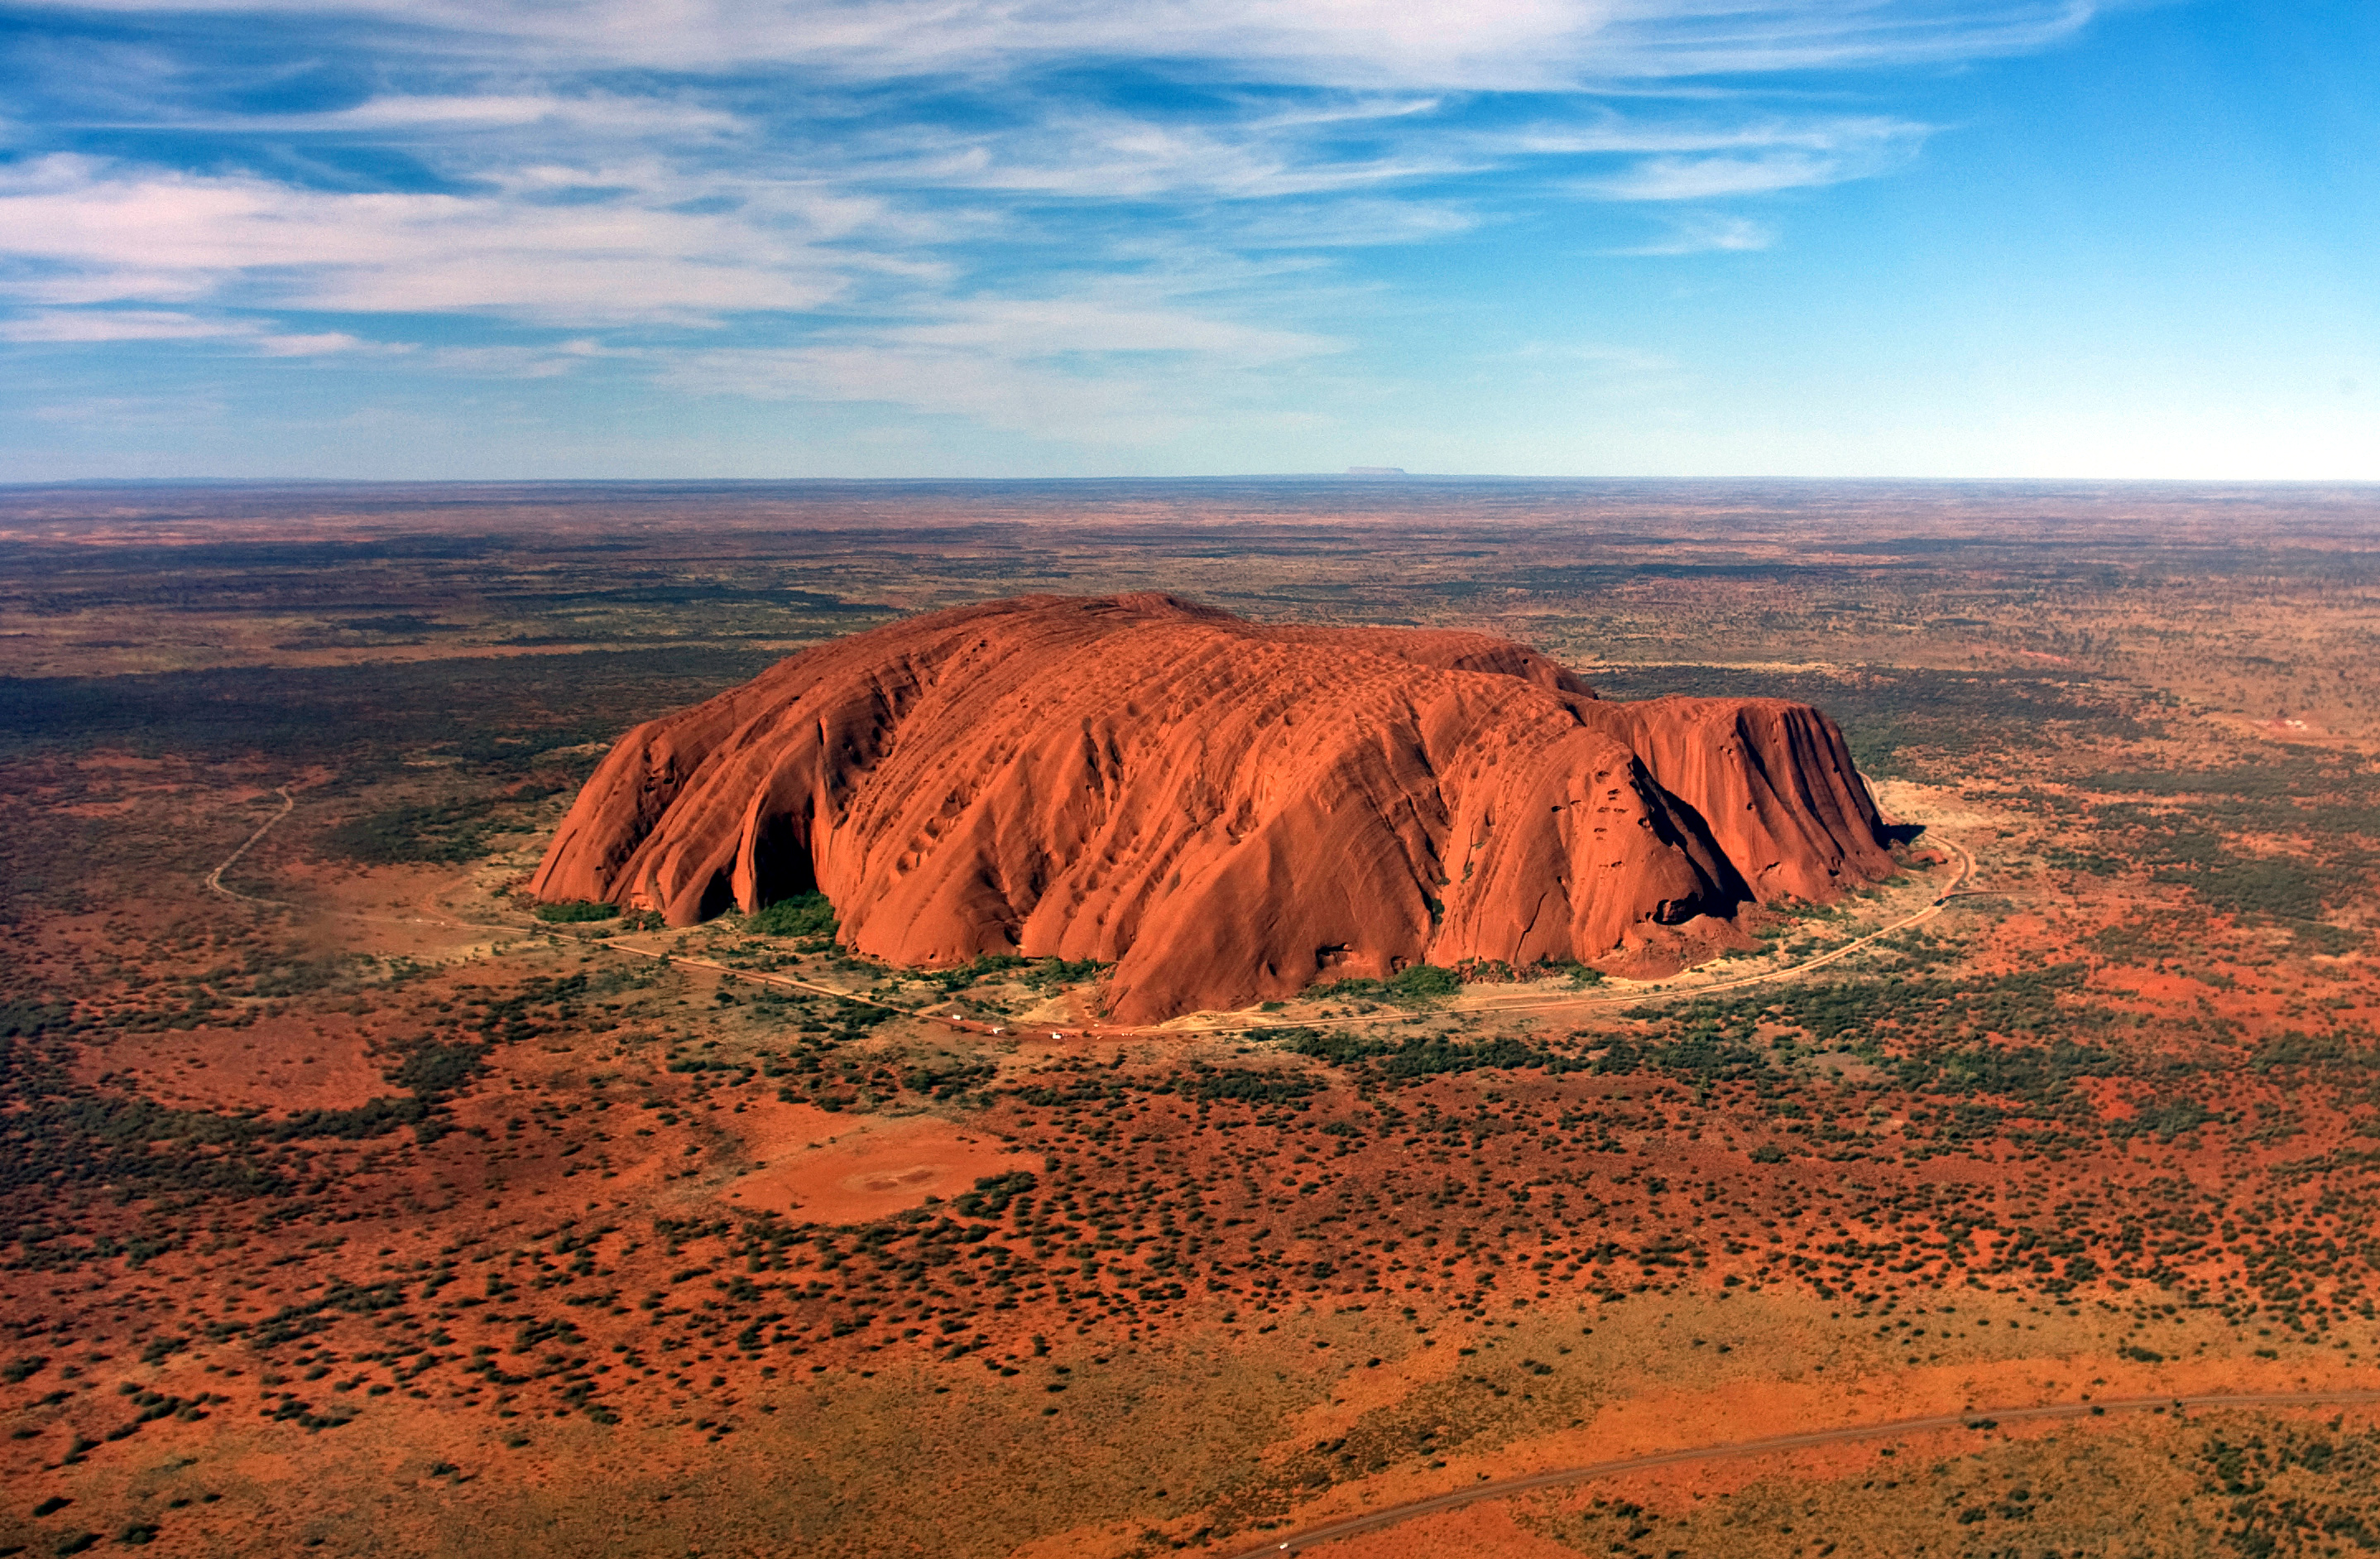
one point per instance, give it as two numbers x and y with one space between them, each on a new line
437 1069
993 1193
985 965
804 915
1415 983
574 911
1049 972
1422 982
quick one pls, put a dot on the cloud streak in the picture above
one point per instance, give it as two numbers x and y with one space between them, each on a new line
1052 213
88 231
87 326
1492 45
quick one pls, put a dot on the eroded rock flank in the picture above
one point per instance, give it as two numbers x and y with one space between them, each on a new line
1225 810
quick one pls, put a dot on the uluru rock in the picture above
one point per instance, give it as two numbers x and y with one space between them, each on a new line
1224 811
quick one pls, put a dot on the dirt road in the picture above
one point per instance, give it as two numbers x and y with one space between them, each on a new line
1976 1417
214 878
1667 990
1235 1024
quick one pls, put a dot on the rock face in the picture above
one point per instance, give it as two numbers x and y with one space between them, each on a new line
1226 811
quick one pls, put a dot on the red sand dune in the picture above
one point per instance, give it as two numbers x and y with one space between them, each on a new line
1224 811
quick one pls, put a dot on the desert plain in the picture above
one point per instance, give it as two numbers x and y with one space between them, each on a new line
353 1205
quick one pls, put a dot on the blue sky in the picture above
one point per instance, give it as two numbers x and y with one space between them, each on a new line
1010 238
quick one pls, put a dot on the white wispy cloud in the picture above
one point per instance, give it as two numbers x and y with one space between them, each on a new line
1138 403
1703 178
96 231
1705 233
933 204
1490 45
1124 370
520 363
589 115
1605 130
1079 154
87 326
1074 325
1361 222
111 324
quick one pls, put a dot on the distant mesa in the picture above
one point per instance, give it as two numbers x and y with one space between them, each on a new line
1375 471
1224 811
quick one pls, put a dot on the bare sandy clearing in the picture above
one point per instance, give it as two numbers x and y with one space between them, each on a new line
828 1168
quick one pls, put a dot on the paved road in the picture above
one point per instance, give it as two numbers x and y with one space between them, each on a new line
1372 1521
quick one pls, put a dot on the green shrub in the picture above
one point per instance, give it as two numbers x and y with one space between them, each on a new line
437 1069
1338 1046
1423 981
1052 972
1428 1057
984 965
1433 1055
2168 1120
1248 1088
1413 983
992 1194
804 915
576 910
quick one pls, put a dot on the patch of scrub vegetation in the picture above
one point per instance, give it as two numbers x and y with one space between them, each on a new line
1891 715
1412 985
2077 1491
576 911
2287 839
982 966
1034 974
374 716
2027 1003
62 1137
439 832
1428 1057
2294 1489
805 915
1049 974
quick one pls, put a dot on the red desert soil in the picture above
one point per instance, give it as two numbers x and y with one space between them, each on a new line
281 1066
1224 811
1473 1529
831 1168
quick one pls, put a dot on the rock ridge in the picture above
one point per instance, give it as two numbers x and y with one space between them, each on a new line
1224 809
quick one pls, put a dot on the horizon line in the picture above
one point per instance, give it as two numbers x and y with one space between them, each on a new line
1343 477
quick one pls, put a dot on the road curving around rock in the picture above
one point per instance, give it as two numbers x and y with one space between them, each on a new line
1245 1024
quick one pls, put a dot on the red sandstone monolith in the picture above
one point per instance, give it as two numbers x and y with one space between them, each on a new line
1224 811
